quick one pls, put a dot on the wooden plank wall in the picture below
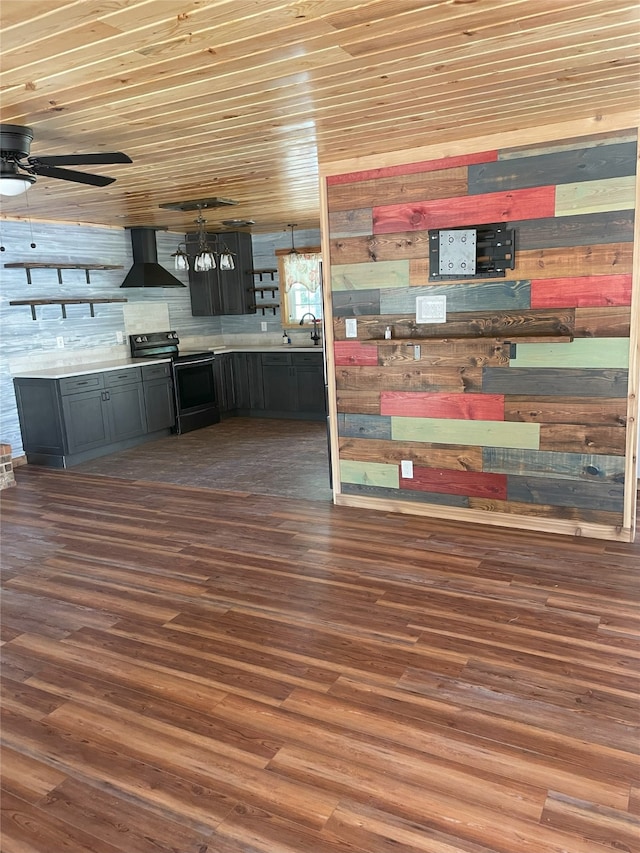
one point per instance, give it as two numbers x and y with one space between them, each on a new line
517 405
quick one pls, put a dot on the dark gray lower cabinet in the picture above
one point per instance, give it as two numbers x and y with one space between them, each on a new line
275 385
310 385
224 376
294 385
159 403
85 421
67 421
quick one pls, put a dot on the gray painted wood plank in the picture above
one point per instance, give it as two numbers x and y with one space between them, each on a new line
555 382
364 426
560 492
612 226
558 167
583 466
351 223
494 295
356 303
403 495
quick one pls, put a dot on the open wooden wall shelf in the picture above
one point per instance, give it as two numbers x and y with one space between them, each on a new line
28 266
63 304
525 339
265 272
264 306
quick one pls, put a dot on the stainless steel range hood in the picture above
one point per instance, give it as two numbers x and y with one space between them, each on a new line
146 271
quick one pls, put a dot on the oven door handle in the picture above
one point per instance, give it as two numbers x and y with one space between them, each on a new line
196 361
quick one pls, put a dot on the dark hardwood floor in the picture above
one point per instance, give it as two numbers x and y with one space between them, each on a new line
203 671
264 456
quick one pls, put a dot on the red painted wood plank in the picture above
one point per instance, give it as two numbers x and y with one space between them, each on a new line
419 404
353 352
447 481
534 203
589 291
413 168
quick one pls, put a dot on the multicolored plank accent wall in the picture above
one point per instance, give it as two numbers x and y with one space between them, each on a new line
517 404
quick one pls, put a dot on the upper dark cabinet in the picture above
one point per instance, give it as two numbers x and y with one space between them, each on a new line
223 291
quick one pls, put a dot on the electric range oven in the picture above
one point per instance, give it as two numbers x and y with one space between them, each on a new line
193 378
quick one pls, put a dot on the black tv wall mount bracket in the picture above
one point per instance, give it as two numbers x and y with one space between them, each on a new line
473 251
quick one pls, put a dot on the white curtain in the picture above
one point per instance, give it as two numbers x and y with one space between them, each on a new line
302 268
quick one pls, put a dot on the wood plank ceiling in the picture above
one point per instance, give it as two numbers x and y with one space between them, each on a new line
240 98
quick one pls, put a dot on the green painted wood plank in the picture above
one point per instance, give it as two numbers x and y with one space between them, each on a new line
573 493
370 473
404 495
555 381
573 466
368 276
581 352
594 196
559 167
452 431
469 296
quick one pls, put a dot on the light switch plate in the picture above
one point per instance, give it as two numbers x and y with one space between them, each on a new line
351 327
406 468
431 309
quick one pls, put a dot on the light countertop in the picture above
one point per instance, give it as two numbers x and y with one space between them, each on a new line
265 348
81 369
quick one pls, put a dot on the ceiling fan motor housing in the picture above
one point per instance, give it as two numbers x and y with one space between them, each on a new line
15 140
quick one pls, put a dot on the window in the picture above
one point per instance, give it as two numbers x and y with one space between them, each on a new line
300 284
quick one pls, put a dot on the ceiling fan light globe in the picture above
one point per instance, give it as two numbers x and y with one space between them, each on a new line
11 185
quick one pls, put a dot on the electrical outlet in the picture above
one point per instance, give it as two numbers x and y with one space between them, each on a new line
60 342
263 326
119 338
416 352
351 327
406 468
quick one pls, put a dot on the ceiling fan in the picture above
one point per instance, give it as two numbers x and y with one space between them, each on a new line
18 170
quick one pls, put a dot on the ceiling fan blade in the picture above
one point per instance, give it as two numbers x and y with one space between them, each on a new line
80 159
69 175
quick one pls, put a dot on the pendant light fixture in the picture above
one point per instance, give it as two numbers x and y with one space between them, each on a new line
205 257
293 250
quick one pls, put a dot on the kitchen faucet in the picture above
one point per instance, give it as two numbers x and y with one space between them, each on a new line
315 337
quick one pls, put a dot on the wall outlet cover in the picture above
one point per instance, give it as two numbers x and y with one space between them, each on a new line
263 326
351 327
406 468
60 342
119 337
